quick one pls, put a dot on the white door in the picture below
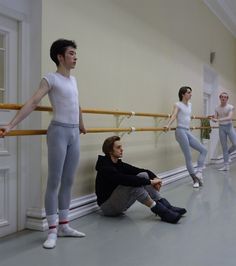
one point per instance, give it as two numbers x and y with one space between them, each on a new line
8 145
210 89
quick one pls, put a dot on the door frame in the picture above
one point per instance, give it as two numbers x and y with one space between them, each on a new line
211 90
23 69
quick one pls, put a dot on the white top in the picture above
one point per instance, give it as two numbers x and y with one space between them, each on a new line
224 112
64 98
184 114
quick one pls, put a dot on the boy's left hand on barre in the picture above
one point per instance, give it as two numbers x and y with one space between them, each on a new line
166 128
4 130
213 118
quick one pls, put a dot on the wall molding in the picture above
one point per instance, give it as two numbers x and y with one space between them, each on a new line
219 159
173 175
11 13
36 218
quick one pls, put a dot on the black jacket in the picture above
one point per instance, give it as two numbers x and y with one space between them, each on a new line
110 175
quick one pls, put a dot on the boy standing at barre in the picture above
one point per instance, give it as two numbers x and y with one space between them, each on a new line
63 137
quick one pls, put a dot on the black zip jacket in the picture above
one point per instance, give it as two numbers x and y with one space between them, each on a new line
110 175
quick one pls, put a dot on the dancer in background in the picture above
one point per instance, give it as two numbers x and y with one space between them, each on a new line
182 112
223 115
63 137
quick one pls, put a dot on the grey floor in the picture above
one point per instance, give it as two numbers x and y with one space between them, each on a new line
205 236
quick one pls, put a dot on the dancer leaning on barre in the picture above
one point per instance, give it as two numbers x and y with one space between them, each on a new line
223 115
182 112
62 137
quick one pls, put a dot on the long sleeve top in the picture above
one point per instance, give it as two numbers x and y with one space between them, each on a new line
110 175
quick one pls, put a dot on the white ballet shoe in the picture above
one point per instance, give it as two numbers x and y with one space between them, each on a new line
195 185
50 241
224 168
69 232
200 178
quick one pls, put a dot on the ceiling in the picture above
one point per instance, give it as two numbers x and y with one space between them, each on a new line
225 10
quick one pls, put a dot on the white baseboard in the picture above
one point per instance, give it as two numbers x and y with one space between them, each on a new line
173 175
219 159
36 218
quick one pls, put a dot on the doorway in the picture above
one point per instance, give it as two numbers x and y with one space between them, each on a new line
210 100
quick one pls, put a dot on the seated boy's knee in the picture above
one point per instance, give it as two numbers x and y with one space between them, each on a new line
143 174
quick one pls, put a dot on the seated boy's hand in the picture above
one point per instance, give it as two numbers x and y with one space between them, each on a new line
156 183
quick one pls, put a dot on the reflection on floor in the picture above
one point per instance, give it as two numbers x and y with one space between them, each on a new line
205 236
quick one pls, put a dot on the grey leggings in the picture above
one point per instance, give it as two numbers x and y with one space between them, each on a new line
63 157
187 140
123 197
224 131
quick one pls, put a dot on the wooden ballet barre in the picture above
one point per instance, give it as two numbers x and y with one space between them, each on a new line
10 106
200 117
32 132
204 117
128 129
97 130
107 112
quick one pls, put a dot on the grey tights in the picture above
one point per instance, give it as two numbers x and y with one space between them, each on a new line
63 157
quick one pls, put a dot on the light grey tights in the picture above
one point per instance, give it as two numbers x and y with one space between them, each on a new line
63 157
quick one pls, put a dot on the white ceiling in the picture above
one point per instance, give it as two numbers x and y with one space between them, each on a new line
225 10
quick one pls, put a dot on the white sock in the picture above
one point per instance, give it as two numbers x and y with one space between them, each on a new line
52 220
66 230
52 233
51 239
153 204
199 169
63 215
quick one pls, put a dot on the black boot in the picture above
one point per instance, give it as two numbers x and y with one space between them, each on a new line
166 203
166 214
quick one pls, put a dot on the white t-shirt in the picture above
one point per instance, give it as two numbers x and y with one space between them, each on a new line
64 98
184 114
224 112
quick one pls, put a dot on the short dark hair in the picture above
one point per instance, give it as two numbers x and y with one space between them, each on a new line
108 144
182 91
59 47
225 93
